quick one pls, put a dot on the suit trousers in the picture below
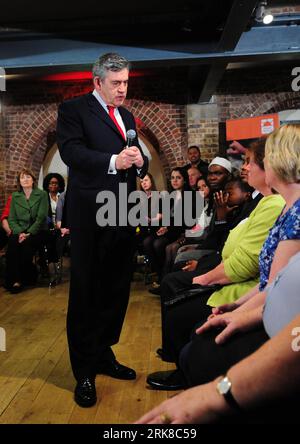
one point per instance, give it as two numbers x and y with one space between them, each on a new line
101 271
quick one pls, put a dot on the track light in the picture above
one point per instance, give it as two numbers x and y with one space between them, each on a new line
261 15
268 18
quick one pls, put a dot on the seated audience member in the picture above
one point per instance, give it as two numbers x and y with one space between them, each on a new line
194 174
194 157
262 388
244 170
64 232
27 220
149 226
203 221
236 269
62 239
282 164
54 185
5 228
155 245
219 172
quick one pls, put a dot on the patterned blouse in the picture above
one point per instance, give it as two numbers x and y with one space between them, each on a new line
287 226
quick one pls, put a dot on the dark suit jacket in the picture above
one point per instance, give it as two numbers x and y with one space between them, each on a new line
87 138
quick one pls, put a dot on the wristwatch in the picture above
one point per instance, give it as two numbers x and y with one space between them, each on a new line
224 389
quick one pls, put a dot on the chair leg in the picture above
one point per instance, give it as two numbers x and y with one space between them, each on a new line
58 268
43 262
147 271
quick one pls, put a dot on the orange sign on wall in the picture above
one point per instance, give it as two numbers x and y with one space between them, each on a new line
251 127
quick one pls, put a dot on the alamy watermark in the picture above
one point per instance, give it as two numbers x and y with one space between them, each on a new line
296 341
2 340
132 209
296 81
2 79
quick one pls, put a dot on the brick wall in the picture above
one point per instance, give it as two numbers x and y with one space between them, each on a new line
203 129
285 9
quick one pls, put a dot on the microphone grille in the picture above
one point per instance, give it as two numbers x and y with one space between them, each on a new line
131 134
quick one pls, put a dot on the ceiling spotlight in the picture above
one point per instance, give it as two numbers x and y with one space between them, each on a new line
268 18
261 15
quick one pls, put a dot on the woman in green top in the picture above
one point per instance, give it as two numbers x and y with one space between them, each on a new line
27 219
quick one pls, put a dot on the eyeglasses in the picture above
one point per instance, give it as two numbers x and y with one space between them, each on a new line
53 183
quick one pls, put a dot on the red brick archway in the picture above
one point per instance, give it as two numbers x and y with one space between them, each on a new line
169 137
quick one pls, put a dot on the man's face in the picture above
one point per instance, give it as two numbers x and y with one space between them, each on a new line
244 171
217 176
193 155
113 89
194 175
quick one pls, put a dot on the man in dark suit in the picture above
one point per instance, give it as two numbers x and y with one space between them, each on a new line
91 132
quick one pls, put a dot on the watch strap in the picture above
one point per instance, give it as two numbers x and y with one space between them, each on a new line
228 396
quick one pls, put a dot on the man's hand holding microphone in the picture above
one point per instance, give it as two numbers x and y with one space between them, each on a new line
130 155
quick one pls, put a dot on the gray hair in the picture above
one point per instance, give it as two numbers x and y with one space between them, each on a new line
109 62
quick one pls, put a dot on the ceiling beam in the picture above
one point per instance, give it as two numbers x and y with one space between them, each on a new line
237 21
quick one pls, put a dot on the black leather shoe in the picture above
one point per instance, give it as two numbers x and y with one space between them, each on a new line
85 392
169 380
116 370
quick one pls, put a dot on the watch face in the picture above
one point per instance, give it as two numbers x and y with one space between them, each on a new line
224 386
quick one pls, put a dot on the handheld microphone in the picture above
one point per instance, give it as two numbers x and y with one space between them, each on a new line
131 135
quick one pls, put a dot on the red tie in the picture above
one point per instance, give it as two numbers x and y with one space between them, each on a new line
111 112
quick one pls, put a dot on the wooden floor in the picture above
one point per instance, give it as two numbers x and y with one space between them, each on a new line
36 383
